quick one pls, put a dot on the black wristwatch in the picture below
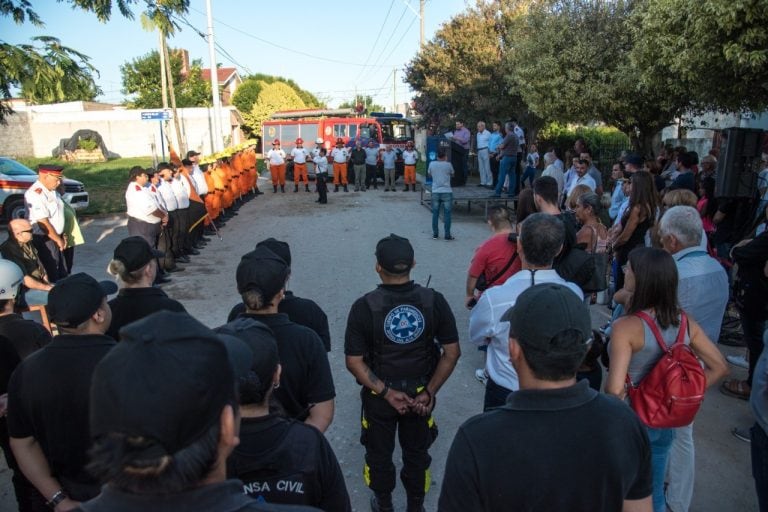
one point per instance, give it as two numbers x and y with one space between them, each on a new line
57 498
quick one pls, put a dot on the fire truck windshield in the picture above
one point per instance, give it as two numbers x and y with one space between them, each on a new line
396 130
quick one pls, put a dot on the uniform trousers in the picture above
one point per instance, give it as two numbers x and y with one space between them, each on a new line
494 169
300 174
340 173
197 213
146 230
409 177
178 230
50 257
278 174
416 434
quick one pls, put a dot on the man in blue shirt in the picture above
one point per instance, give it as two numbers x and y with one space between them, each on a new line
493 149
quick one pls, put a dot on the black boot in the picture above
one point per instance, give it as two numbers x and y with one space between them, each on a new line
413 188
382 502
306 187
274 189
406 188
415 504
346 189
336 188
282 189
295 189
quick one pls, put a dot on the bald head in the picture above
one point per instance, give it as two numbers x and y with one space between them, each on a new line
21 230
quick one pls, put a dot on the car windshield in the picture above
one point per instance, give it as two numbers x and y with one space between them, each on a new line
13 168
396 130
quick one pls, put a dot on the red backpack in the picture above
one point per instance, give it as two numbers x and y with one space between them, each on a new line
670 395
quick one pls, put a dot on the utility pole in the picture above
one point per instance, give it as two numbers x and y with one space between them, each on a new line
163 88
218 143
172 93
394 90
421 24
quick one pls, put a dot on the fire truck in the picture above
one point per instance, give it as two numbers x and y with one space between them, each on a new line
330 125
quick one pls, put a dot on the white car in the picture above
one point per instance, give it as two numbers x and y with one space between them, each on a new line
16 178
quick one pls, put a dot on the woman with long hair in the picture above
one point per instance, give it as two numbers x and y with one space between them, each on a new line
592 234
638 218
651 281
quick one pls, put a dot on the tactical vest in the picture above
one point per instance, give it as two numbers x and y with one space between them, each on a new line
403 325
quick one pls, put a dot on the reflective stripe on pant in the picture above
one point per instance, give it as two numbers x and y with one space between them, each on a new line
416 434
300 174
410 175
339 173
278 174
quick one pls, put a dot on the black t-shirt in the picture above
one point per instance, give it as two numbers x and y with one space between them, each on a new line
9 360
359 337
224 496
301 311
562 449
48 400
133 304
357 156
737 220
286 461
306 374
26 336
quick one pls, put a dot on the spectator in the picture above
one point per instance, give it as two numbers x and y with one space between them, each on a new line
134 262
593 235
541 239
532 163
161 441
593 172
708 167
20 249
526 205
442 194
652 280
707 204
759 404
553 170
582 176
685 178
617 196
48 394
508 150
549 335
576 193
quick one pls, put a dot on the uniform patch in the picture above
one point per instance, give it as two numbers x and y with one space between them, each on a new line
39 190
404 324
138 188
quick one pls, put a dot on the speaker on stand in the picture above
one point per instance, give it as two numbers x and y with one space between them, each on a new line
738 163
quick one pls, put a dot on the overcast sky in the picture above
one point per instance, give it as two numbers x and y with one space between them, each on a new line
331 51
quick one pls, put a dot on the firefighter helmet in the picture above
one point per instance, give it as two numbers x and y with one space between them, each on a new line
11 278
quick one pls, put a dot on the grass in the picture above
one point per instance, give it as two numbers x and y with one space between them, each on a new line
105 182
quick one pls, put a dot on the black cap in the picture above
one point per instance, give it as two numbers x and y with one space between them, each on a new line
135 252
545 310
263 270
394 254
278 247
150 171
167 380
187 162
75 298
260 340
192 153
163 166
635 160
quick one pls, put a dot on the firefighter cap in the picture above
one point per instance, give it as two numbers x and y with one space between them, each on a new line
299 141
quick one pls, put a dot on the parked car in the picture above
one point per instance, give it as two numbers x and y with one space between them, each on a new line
16 178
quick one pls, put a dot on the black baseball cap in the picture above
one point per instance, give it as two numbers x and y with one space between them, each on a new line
278 247
394 254
163 166
167 381
262 269
135 252
545 310
76 297
635 160
192 153
260 339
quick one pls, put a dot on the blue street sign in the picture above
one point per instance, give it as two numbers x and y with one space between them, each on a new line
156 115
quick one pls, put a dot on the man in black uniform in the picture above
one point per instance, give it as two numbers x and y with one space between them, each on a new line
135 263
390 347
302 311
48 393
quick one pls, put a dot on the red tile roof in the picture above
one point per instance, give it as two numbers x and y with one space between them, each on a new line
223 74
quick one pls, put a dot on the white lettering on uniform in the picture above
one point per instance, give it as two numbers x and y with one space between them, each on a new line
254 487
290 486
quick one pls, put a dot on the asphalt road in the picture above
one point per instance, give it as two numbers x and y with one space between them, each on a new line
333 263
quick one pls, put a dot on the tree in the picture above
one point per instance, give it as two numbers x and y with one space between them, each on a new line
572 63
51 71
248 92
272 97
141 78
366 102
716 49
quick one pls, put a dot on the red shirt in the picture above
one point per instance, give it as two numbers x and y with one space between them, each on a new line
492 256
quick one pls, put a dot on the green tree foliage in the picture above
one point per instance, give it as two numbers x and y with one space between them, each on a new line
50 72
141 78
248 93
366 101
272 97
717 50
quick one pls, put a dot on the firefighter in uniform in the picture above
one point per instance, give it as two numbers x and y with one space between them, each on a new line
45 211
299 155
401 344
340 156
410 157
276 166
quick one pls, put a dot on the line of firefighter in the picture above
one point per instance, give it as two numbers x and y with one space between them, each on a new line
340 157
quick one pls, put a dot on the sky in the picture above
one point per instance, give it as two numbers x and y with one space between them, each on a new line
334 51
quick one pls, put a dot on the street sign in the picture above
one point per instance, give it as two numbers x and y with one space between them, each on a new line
156 115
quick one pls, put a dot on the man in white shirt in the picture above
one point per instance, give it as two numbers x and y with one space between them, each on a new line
144 214
181 190
171 204
197 174
541 239
483 138
45 211
582 176
299 155
340 156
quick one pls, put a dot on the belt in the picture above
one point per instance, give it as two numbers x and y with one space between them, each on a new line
480 149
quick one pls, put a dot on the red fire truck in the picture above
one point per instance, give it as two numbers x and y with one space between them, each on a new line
330 125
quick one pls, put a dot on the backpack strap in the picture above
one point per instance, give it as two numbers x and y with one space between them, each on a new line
503 270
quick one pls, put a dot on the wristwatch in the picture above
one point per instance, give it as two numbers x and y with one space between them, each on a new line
57 498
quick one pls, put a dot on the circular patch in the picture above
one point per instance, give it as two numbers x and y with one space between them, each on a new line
404 324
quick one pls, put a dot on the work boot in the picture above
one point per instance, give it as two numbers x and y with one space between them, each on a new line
346 189
406 188
382 502
336 188
413 188
282 189
306 187
295 189
415 504
274 189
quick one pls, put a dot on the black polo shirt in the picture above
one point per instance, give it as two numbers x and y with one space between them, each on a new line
224 496
133 304
306 374
286 461
23 256
48 399
26 336
302 311
561 449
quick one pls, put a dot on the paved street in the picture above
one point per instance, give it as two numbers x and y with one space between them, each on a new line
333 263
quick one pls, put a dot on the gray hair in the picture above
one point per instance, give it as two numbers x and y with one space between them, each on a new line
549 158
684 223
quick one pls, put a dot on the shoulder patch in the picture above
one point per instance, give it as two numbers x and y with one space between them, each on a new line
39 190
138 188
152 188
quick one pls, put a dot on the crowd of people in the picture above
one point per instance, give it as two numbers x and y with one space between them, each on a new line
135 405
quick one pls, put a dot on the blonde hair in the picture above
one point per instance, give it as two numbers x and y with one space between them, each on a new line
117 268
576 193
680 197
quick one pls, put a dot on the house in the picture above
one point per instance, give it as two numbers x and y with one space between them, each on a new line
229 80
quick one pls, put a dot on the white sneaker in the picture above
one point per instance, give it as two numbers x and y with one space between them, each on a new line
739 361
481 376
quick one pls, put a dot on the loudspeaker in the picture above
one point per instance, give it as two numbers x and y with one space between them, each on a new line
738 162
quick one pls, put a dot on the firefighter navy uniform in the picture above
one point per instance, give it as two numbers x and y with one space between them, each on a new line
399 330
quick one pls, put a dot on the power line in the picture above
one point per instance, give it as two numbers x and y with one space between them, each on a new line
381 29
405 10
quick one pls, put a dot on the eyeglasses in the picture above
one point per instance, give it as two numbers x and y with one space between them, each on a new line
24 231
